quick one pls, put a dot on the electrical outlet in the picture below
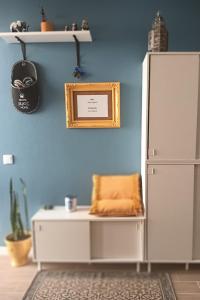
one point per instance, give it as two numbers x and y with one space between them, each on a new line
8 159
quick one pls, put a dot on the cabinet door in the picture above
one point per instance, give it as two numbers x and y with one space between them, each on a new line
62 241
174 81
196 239
106 243
170 212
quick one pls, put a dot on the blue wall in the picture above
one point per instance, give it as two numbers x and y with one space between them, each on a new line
54 160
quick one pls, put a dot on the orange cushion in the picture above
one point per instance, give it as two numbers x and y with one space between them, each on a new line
116 195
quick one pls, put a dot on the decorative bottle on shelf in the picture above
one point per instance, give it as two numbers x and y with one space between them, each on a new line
158 35
45 25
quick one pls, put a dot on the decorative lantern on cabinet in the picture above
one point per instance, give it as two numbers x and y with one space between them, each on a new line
158 35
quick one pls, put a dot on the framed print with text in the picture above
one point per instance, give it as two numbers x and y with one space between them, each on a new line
92 105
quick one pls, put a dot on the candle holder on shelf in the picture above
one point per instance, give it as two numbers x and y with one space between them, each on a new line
158 35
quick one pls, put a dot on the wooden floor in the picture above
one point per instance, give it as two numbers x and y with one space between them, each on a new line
15 281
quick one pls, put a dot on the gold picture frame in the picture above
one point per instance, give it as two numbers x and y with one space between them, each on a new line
92 105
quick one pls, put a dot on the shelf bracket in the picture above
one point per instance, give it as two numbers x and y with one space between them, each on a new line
23 47
77 50
77 71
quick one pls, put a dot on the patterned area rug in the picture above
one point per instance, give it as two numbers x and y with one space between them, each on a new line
90 285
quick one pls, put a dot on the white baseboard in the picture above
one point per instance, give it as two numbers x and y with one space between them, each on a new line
3 250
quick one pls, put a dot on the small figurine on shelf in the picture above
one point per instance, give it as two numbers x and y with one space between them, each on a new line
74 26
19 26
67 27
85 24
45 25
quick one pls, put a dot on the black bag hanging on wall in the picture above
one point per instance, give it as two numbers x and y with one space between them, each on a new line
24 82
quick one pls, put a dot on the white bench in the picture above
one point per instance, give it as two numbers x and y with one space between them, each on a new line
59 236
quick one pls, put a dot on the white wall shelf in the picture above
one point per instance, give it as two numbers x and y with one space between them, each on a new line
47 37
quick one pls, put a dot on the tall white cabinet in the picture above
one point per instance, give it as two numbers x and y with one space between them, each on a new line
171 156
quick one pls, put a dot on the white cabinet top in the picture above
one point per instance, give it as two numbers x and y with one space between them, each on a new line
172 52
82 214
47 37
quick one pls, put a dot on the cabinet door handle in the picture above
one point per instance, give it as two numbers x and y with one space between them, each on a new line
154 152
40 228
151 171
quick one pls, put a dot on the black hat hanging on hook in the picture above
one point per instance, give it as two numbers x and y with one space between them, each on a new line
24 82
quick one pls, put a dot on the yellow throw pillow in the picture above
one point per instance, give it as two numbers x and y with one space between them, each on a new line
118 195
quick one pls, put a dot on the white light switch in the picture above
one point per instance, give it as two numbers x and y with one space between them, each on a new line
8 159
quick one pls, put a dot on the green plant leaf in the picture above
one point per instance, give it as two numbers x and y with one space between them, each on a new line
11 205
14 216
24 191
18 232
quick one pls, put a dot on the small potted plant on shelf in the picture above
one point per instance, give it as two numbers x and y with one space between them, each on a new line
19 241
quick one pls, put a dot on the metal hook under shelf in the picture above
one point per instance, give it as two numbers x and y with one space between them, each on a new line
77 50
78 72
23 47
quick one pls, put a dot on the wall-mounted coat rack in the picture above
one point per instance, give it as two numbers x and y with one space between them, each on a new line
50 37
22 99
